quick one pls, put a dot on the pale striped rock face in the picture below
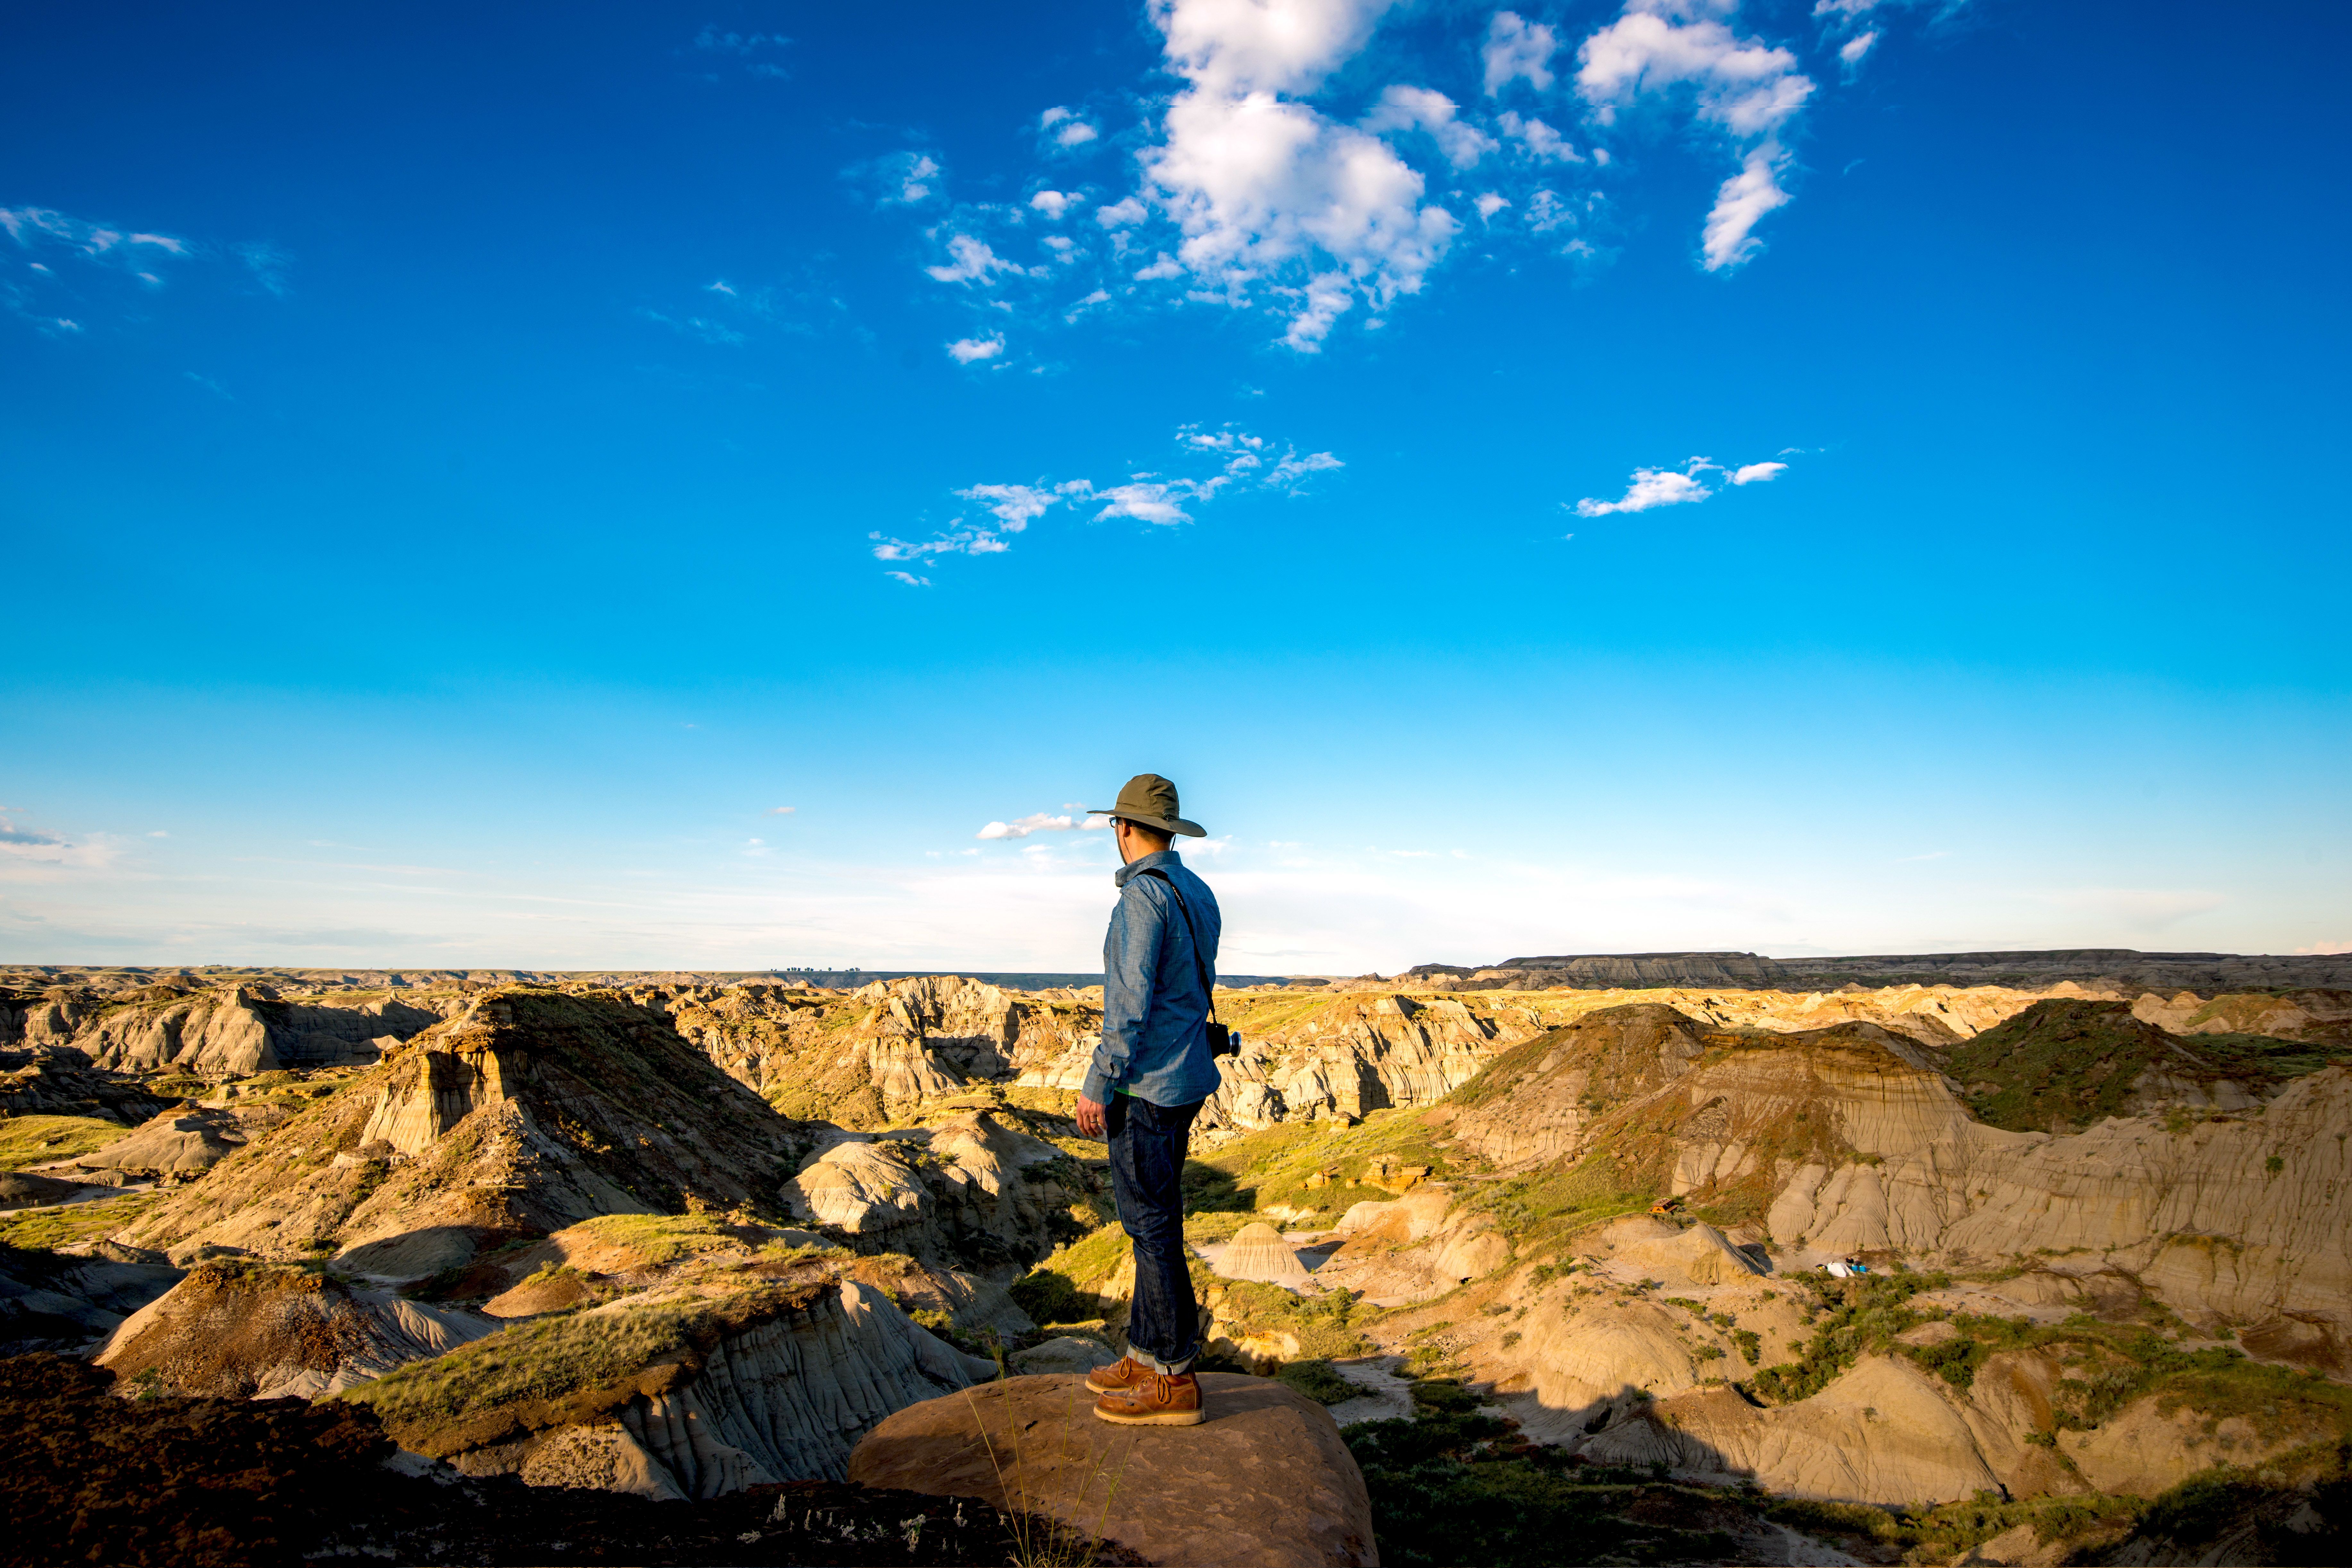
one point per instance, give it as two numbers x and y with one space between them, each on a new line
1258 1252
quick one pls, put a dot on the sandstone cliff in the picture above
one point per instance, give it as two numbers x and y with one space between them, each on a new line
692 1391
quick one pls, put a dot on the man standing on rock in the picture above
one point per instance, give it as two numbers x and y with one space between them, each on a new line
1143 1087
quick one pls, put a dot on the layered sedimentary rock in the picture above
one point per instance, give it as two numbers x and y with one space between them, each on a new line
60 1080
69 1301
967 1191
235 1330
684 1392
233 1032
867 1058
527 1113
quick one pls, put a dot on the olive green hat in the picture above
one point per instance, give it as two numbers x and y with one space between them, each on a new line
1151 800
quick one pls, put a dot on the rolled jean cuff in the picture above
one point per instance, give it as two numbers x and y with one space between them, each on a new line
1177 1368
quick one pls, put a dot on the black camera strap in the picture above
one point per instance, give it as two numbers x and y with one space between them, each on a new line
1223 1042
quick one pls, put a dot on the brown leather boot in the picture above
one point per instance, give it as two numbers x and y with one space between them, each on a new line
1155 1400
1124 1373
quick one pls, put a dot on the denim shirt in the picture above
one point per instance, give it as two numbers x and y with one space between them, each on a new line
1155 1044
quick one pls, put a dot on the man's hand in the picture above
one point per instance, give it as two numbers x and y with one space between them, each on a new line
1090 1117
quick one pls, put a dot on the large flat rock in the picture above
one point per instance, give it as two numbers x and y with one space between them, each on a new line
1266 1480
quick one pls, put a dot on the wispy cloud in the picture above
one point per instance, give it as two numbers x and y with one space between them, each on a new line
757 51
781 810
1226 459
1742 87
966 351
1038 821
2327 949
1652 487
69 273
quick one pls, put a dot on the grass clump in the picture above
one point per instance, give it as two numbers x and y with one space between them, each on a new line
1854 1316
1063 1289
1328 1327
662 1238
1944 1532
590 1359
47 1228
38 1140
1272 1168
1317 1381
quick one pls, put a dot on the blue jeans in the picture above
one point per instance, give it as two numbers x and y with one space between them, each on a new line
1147 1169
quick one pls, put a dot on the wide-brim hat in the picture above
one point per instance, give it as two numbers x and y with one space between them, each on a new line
1151 800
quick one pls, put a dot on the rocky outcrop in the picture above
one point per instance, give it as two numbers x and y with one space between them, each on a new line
238 1330
687 1391
60 1080
527 1113
185 1143
1265 1482
160 1481
70 1301
967 1191
1880 1432
2207 972
233 1032
1258 1252
870 1057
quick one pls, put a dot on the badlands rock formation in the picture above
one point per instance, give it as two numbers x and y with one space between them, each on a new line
527 1112
234 1330
687 1391
232 1032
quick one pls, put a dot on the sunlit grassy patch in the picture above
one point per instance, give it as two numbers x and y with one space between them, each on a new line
37 1139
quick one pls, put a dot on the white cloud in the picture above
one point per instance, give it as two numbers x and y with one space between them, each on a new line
1015 506
1123 214
781 810
1264 187
1242 461
1419 109
1489 204
1746 89
910 579
974 262
967 349
1747 196
2327 949
1053 203
1852 51
905 178
1076 135
1543 143
1022 827
1669 486
1517 49
1651 487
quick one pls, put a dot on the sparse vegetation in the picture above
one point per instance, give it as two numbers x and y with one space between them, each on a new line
1317 1381
38 1140
53 1228
1854 1316
606 1354
1453 1484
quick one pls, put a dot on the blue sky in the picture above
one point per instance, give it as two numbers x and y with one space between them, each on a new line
1807 479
